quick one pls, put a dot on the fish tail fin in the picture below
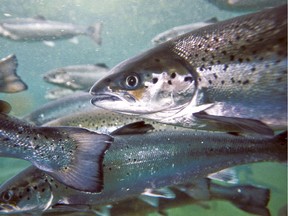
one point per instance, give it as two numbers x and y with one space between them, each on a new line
94 32
252 199
84 169
12 82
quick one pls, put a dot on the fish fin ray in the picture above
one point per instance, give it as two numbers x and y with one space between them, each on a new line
12 82
133 128
234 124
5 107
85 171
95 32
228 175
160 193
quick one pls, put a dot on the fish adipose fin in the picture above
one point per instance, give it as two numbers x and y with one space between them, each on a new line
234 124
84 172
5 107
10 82
95 32
133 128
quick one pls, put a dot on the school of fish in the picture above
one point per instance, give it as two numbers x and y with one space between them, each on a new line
157 131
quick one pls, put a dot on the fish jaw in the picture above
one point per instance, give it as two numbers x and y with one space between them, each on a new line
152 82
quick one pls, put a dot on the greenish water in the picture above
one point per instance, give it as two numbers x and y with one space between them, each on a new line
128 27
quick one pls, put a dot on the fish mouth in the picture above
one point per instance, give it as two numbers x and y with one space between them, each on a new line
7 208
108 97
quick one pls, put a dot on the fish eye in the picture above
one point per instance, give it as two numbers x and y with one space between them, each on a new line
132 81
7 195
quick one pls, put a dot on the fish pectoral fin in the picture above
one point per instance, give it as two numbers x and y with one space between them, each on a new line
133 128
234 124
49 43
84 170
152 201
5 107
160 193
228 175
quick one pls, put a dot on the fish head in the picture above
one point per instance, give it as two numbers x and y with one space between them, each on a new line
153 82
25 193
58 76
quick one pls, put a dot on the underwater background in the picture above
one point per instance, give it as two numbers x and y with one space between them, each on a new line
128 27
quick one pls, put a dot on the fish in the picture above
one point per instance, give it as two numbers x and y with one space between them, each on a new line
246 5
40 29
179 30
229 76
76 77
66 153
148 163
52 110
57 93
10 82
30 183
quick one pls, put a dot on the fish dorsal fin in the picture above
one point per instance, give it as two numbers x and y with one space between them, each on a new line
39 17
5 107
133 128
102 65
212 20
228 175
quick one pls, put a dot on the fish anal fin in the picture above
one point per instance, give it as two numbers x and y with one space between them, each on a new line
139 127
84 171
234 124
5 107
228 175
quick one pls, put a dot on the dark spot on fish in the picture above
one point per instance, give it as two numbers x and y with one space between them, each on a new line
36 147
261 59
203 59
277 61
215 75
62 148
205 38
254 52
46 137
210 68
238 37
28 190
248 40
188 79
43 190
222 82
260 39
173 75
206 50
245 82
225 67
199 79
157 60
224 52
25 148
28 198
215 39
154 80
279 79
107 80
267 65
199 45
20 132
216 48
35 138
56 186
248 59
232 80
71 151
232 57
240 60
239 81
209 81
35 187
110 168
146 86
135 160
127 173
230 42
213 56
196 55
253 69
20 197
208 46
243 47
5 139
212 62
211 149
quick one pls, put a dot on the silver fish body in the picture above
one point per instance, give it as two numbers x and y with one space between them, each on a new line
229 76
179 30
66 153
135 164
40 29
246 5
58 108
76 77
10 82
